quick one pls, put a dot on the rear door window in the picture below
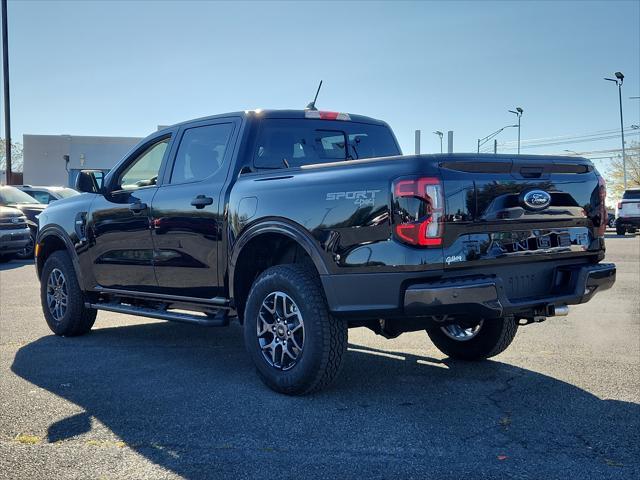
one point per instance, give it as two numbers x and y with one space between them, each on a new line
286 143
201 152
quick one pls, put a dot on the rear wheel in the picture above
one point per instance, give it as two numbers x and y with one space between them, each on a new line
478 341
295 343
62 299
620 230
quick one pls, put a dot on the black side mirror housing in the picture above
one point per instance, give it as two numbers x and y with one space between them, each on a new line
89 181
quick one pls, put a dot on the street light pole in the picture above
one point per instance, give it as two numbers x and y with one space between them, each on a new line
7 110
619 81
440 134
482 141
518 112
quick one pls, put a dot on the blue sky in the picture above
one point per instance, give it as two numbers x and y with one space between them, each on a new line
122 68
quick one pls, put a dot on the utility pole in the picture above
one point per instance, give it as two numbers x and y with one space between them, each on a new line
618 81
7 110
417 142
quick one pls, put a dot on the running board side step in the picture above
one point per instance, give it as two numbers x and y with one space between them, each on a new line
221 318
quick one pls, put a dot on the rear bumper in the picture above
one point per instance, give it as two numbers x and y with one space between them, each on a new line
14 240
402 295
628 222
486 298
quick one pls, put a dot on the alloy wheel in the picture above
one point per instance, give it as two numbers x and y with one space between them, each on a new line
57 294
280 330
460 333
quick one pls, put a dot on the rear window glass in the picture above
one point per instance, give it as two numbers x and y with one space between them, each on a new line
292 143
631 195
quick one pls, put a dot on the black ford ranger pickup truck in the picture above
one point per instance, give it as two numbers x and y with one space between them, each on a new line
306 223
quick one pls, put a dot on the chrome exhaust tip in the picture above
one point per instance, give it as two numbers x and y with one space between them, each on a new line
558 310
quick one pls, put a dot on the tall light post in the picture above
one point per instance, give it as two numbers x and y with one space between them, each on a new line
618 81
518 112
440 134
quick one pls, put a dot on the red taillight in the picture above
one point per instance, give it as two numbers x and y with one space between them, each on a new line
418 223
604 217
619 205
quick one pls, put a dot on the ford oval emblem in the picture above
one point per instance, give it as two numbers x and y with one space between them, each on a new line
536 199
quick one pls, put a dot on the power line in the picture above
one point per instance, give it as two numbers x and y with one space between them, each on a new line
570 136
506 145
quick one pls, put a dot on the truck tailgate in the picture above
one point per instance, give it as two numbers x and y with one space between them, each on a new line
508 209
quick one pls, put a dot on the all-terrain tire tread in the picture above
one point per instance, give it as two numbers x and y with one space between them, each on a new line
334 330
83 318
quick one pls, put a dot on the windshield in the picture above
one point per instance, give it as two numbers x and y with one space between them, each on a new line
11 195
67 192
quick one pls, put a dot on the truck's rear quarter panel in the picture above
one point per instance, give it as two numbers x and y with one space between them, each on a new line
344 207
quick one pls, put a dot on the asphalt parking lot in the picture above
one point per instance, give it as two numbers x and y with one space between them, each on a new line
149 399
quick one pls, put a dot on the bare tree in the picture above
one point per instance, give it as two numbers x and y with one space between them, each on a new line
16 156
615 176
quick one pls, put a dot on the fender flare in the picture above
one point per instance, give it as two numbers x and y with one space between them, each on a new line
56 231
292 230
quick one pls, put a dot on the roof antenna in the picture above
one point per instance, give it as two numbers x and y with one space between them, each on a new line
312 105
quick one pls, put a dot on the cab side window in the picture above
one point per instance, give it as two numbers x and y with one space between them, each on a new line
201 152
40 196
144 170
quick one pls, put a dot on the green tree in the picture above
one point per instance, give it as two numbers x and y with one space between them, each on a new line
16 156
615 176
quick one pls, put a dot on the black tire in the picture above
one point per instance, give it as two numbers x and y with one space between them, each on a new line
5 258
620 230
612 223
27 252
76 318
493 338
325 337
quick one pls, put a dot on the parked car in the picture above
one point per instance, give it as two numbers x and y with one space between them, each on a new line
628 218
12 197
306 223
14 233
611 220
47 195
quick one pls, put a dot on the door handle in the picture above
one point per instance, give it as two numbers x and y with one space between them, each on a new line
201 201
137 207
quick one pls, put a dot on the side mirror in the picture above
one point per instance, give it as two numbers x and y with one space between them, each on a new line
89 181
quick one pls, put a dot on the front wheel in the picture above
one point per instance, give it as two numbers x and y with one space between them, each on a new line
295 343
477 341
62 299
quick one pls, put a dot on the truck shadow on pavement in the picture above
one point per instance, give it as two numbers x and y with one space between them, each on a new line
188 400
11 264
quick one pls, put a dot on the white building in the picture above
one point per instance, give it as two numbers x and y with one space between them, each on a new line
44 156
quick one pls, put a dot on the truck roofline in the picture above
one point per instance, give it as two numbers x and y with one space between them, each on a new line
259 113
